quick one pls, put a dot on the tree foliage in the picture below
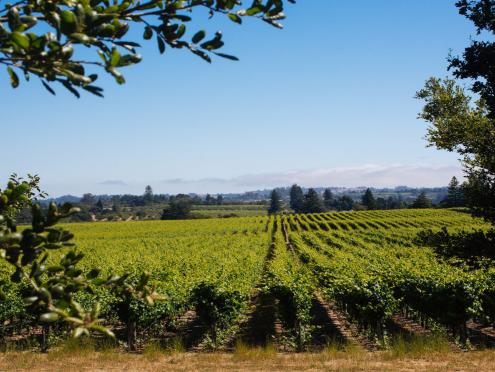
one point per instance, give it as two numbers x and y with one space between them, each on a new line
44 38
313 202
179 208
328 199
421 202
464 245
275 203
296 198
368 200
148 195
478 60
464 124
53 284
455 195
344 203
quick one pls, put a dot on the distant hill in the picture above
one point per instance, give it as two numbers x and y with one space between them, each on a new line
63 199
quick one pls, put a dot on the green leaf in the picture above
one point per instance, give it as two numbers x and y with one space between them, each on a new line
67 84
161 44
115 57
79 331
198 36
94 90
49 317
68 22
273 23
202 54
227 56
20 39
82 38
215 43
148 33
103 330
30 300
54 269
68 17
235 18
93 274
14 79
47 87
102 56
181 31
95 311
119 78
252 11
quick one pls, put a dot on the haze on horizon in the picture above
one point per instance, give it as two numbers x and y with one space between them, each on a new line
326 102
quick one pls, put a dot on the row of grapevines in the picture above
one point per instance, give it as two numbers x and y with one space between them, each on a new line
372 277
292 284
189 261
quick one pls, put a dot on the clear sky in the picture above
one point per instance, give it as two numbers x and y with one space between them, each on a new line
328 101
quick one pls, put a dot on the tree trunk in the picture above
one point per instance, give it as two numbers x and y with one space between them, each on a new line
380 331
214 335
299 336
463 333
45 332
131 335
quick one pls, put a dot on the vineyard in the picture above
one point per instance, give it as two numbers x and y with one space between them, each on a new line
298 282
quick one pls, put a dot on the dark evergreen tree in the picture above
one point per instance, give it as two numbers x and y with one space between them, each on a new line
99 205
368 200
455 195
219 200
313 202
148 195
381 203
396 203
328 200
345 203
421 201
296 199
275 203
208 199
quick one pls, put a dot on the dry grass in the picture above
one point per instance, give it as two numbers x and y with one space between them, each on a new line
244 358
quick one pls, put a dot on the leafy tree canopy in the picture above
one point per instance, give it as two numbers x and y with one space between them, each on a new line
344 203
368 200
179 208
313 202
50 287
478 60
421 201
465 124
328 199
148 194
44 37
455 195
296 198
275 203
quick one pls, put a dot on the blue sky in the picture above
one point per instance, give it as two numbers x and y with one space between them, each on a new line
328 101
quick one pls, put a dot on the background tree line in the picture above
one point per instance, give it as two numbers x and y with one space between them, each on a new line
314 202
